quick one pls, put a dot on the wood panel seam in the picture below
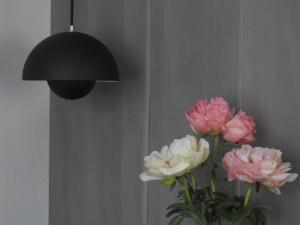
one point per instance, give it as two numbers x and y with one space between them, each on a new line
241 68
147 127
241 63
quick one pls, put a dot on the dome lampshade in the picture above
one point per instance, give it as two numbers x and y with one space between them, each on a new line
71 63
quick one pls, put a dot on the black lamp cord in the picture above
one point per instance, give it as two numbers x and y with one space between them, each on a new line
72 16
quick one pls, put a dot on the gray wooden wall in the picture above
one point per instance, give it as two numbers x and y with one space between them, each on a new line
268 86
170 53
24 110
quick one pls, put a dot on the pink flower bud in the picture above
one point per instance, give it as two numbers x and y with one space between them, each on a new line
207 117
240 129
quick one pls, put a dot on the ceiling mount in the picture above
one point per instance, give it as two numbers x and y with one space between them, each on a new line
71 62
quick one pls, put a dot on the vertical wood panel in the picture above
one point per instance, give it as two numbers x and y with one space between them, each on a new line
246 51
269 87
194 54
97 143
24 110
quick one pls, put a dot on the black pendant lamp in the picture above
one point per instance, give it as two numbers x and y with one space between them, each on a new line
71 62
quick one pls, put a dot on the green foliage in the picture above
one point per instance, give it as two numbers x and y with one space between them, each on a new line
176 220
214 208
169 182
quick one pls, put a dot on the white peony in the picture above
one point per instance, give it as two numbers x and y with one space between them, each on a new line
183 154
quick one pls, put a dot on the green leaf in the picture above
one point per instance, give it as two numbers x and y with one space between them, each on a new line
193 181
223 221
176 220
174 211
260 216
169 182
240 218
252 218
228 203
220 195
225 214
203 209
172 186
193 216
178 206
266 209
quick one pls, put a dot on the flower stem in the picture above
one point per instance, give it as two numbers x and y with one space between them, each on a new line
213 181
213 158
186 192
215 148
248 194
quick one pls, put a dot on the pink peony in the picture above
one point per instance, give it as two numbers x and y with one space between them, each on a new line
263 165
207 117
240 129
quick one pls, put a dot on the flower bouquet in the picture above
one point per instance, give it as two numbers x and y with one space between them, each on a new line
260 168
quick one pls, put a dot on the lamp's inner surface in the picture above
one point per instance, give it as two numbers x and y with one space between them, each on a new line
71 89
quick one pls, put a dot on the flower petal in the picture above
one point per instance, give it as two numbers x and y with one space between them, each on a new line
292 177
275 190
177 170
146 176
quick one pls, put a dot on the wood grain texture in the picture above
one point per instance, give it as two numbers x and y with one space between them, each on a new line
194 54
269 87
24 110
170 53
98 142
